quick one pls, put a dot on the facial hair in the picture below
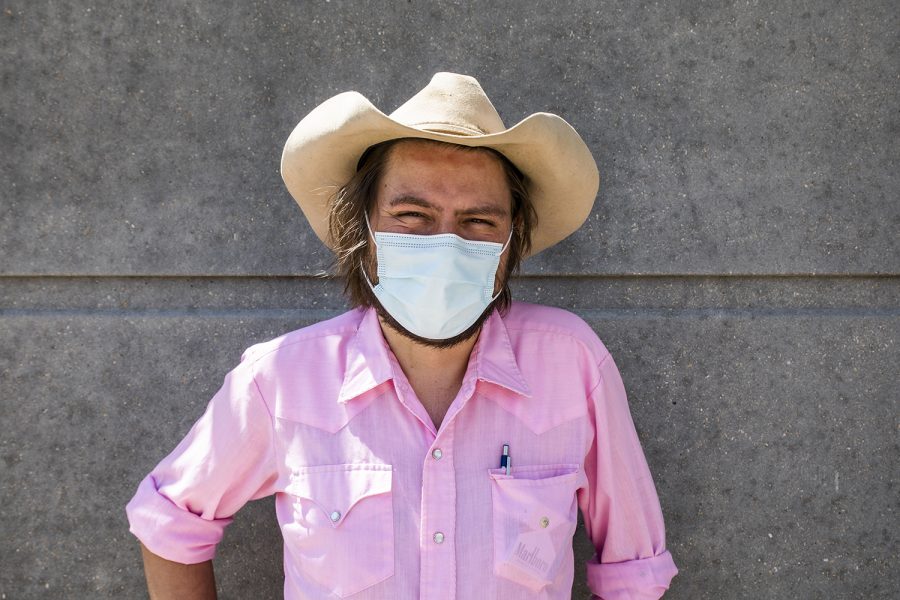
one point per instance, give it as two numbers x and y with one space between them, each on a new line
430 343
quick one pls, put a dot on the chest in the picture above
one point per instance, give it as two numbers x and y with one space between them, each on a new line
436 394
384 494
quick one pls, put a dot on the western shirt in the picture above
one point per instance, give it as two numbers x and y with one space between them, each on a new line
373 501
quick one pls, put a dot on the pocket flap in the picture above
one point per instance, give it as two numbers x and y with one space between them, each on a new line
336 489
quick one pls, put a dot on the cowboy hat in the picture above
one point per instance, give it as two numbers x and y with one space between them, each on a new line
322 152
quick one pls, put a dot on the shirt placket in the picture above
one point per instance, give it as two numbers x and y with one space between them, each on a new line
437 538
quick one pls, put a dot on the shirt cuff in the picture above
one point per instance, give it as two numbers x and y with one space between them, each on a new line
169 531
640 579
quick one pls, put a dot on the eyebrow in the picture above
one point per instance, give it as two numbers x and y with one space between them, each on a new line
483 209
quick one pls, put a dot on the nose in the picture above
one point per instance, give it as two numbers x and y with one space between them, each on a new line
448 224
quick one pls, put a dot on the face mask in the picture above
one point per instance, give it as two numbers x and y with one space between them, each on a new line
435 286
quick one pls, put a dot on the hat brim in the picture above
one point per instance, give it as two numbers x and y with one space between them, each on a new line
322 153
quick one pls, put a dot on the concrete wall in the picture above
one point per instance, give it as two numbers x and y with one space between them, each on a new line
741 263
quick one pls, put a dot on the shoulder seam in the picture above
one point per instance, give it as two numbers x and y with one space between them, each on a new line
262 398
265 404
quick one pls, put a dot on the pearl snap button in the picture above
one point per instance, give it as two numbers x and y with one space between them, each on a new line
545 521
438 538
437 454
335 516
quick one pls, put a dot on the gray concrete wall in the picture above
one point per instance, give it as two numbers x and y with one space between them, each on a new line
741 264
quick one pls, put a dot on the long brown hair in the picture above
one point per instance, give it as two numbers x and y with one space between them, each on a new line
349 235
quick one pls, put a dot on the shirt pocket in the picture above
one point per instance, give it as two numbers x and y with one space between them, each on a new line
534 519
343 525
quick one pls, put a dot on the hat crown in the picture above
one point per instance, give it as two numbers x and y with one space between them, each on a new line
453 104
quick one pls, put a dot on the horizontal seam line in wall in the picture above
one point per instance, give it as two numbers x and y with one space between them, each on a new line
832 275
316 314
301 313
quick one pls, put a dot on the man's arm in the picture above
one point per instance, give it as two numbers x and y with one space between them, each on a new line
171 580
181 509
621 510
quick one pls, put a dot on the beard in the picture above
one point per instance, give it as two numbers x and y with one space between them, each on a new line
472 330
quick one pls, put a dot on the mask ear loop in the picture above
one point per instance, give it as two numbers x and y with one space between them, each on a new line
502 250
369 227
508 240
361 266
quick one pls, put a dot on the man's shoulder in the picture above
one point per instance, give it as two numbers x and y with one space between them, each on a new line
552 324
299 374
316 340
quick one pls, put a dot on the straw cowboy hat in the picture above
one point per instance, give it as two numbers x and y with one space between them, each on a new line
322 152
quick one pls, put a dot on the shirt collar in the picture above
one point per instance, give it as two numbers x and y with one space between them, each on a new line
495 361
369 364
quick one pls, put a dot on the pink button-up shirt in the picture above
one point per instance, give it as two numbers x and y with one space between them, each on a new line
374 502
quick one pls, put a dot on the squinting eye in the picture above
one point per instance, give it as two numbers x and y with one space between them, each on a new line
481 222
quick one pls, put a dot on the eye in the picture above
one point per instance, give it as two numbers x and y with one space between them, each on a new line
482 222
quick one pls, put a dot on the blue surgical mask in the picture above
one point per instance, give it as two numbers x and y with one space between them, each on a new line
435 286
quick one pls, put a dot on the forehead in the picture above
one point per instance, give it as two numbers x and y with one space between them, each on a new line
444 173
427 150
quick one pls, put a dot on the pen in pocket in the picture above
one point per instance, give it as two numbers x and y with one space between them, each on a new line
505 459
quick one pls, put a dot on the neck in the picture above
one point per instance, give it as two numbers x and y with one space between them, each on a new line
425 362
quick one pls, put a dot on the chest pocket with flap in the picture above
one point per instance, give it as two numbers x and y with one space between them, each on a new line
343 525
534 518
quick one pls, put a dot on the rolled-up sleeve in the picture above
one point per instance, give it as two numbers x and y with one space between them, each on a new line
621 509
182 507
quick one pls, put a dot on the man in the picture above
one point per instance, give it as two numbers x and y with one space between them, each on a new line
437 440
